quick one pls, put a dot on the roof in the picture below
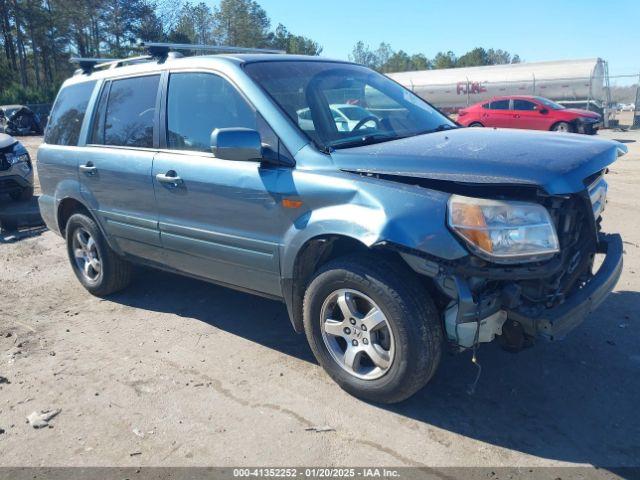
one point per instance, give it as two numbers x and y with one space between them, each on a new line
220 61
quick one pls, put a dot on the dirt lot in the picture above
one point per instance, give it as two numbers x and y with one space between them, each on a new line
178 372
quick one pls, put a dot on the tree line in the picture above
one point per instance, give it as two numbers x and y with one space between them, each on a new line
386 60
39 36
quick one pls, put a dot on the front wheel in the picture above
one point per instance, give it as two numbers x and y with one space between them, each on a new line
476 124
373 328
562 127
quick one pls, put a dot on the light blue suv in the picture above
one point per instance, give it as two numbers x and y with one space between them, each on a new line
387 240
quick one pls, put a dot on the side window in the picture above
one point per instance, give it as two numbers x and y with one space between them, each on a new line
68 113
500 105
130 112
485 106
197 103
523 105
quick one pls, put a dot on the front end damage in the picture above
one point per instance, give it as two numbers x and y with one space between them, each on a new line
521 302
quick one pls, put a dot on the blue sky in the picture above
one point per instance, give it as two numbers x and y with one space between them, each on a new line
536 30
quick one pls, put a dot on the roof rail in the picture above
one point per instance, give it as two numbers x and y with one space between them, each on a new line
161 50
87 65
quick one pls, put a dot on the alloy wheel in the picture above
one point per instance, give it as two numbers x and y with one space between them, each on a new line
86 255
357 334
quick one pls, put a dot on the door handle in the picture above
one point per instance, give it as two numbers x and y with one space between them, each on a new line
516 116
88 168
170 179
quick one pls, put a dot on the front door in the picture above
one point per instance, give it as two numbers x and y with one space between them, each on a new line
219 219
527 115
115 171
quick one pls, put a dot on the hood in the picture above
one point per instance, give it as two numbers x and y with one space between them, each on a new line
6 140
581 112
556 162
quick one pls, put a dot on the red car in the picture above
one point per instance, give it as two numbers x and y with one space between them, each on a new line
534 113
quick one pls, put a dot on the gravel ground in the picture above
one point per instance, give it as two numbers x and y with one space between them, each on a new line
182 373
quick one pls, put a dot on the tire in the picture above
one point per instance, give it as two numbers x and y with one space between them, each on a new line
22 195
562 127
86 239
476 124
412 332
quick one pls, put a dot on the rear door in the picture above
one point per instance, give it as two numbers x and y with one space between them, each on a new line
526 114
220 219
115 173
498 114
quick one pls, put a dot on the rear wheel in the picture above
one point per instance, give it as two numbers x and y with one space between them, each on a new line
22 195
100 270
562 127
476 124
372 328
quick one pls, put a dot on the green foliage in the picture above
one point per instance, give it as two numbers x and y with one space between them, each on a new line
14 93
282 39
386 60
37 37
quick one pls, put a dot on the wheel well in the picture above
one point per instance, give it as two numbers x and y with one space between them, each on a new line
68 207
476 123
316 253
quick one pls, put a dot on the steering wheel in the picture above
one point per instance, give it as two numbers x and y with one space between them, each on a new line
367 119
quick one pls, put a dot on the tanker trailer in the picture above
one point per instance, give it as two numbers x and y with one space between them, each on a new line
575 83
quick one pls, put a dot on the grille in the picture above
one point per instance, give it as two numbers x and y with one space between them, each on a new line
577 238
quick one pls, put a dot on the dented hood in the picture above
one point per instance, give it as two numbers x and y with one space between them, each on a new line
556 162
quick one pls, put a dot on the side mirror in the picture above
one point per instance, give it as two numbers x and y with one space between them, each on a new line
240 144
544 111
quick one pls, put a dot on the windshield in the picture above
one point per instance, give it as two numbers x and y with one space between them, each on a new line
378 109
548 103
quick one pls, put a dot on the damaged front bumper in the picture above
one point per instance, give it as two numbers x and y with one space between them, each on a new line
469 320
555 323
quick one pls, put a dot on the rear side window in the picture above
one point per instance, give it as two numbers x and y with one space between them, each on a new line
198 103
68 113
500 105
130 113
523 105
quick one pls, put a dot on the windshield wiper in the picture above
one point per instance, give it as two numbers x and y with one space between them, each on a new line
369 139
439 128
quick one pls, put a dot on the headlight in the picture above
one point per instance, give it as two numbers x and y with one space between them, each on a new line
19 154
17 158
504 231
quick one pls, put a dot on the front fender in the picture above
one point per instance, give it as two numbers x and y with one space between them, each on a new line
372 211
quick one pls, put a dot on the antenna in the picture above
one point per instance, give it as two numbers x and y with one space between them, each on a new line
161 50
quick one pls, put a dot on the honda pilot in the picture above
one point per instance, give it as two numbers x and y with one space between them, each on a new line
388 239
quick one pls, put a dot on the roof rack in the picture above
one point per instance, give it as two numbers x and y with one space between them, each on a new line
88 65
161 50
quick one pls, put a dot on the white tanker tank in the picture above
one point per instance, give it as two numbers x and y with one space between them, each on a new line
570 82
